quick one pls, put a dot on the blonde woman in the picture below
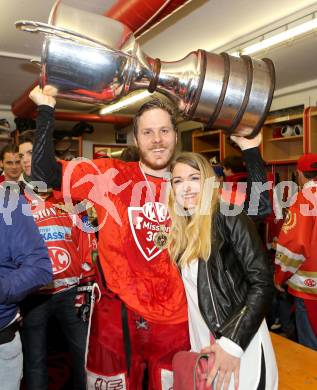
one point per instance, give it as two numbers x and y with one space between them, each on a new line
227 278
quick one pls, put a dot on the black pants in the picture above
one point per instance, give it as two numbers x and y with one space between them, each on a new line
262 384
37 311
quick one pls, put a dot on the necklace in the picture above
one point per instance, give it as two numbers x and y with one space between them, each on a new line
160 238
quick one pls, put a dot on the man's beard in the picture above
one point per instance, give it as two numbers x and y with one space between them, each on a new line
157 165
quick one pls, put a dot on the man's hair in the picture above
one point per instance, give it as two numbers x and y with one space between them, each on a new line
151 105
9 148
27 136
235 163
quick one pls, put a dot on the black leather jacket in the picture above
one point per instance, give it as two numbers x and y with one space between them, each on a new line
235 285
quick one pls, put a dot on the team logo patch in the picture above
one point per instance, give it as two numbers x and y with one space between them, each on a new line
60 259
145 226
102 382
290 221
310 283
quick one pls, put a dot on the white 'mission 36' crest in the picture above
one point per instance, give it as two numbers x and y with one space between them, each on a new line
145 224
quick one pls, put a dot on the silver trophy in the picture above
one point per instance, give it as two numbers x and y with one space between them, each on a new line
95 59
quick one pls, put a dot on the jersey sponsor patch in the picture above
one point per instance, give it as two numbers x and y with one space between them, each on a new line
60 259
55 233
145 226
38 215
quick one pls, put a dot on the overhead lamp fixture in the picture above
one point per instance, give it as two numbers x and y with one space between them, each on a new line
286 35
124 103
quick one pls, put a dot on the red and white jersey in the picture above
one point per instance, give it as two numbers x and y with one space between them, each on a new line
296 250
69 241
131 211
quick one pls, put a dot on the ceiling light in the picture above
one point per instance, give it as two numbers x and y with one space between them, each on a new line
123 103
286 35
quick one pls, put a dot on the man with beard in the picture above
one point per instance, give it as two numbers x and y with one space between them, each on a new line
141 319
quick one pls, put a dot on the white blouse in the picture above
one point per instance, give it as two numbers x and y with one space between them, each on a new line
250 365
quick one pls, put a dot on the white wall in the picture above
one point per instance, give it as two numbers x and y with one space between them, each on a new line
305 93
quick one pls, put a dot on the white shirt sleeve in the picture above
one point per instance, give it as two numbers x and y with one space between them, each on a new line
230 347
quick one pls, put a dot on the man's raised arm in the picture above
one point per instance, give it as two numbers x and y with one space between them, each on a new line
44 165
257 204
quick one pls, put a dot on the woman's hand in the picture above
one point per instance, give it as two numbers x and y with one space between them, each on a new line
45 96
224 365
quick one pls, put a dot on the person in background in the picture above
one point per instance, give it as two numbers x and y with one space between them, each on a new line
10 162
235 177
227 278
24 267
25 153
219 172
234 168
70 243
296 252
237 171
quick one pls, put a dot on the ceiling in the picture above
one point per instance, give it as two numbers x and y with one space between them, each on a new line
213 25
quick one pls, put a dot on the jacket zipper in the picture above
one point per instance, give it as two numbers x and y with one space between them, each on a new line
243 310
238 315
212 298
236 297
229 277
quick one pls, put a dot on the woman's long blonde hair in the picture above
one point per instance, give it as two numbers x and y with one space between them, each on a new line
191 236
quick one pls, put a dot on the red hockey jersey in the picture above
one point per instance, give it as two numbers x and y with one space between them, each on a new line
296 250
69 242
140 273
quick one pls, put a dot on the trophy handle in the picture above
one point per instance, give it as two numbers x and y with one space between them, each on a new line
64 33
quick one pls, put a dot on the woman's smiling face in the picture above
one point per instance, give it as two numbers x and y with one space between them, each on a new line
186 185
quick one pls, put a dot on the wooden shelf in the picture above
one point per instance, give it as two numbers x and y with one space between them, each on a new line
313 111
290 160
209 150
276 150
207 143
311 126
213 144
208 133
283 119
67 145
283 139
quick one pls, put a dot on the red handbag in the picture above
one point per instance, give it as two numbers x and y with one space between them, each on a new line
190 370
